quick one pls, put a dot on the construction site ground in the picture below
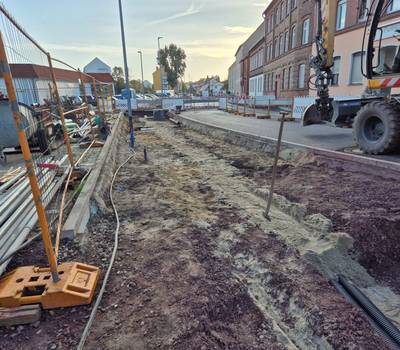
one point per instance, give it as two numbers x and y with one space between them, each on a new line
199 266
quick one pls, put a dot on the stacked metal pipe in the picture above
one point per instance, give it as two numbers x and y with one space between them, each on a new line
18 212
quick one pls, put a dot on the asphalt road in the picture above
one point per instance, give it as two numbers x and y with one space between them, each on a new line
320 136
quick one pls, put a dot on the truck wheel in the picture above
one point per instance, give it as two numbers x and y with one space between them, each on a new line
376 128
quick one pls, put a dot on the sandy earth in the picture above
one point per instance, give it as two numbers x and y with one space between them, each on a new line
199 267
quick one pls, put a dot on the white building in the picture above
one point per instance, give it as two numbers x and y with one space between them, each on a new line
97 66
234 85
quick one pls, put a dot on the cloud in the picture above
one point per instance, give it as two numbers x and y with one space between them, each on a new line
238 30
260 4
191 10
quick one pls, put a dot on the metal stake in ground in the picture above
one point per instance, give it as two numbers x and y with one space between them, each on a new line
275 168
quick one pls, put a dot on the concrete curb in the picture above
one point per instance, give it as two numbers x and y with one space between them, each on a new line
266 144
80 214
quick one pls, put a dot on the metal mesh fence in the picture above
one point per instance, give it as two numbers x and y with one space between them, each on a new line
55 104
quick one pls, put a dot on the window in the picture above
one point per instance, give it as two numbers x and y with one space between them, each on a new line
289 84
283 78
286 41
302 75
276 48
386 59
363 9
355 73
282 10
288 7
306 32
393 6
336 70
294 37
294 3
341 15
281 45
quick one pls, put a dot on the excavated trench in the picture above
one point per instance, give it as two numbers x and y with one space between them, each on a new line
199 267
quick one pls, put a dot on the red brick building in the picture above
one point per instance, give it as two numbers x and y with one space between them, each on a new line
289 33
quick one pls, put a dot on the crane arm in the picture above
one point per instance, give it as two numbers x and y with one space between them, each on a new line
322 62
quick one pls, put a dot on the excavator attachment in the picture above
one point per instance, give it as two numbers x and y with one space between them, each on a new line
33 285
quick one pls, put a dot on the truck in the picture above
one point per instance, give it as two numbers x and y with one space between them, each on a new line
375 116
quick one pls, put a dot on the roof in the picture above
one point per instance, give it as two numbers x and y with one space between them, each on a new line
103 77
255 38
35 71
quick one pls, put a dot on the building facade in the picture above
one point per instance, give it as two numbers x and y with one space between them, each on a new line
32 83
350 24
234 87
160 77
289 33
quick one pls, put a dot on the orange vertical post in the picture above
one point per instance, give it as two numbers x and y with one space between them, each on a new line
61 112
82 84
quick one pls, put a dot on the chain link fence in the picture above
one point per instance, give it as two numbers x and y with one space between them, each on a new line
47 107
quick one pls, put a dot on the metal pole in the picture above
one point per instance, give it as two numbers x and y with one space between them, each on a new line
61 112
275 168
161 81
36 193
131 131
141 66
96 95
87 114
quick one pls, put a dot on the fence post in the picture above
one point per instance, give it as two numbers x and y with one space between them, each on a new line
36 193
292 108
87 105
103 100
269 108
61 112
110 86
96 94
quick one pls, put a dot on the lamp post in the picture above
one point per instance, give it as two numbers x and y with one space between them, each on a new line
159 48
141 66
131 131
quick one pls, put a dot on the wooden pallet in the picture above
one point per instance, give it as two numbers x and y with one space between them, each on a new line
263 117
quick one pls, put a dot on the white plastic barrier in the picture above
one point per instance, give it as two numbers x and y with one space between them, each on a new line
301 103
222 103
172 103
122 105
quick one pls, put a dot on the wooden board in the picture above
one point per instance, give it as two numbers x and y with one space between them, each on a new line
20 315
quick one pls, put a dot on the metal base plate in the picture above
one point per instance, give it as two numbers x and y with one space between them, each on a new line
32 285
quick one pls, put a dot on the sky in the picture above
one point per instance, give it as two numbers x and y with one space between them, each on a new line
76 31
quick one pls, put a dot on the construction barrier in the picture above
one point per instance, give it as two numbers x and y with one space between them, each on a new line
51 115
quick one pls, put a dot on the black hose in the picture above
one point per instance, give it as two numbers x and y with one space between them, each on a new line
371 310
388 340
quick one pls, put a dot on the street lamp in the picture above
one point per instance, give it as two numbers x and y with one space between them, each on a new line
141 65
159 48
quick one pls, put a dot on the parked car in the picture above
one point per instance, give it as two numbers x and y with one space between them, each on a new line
90 99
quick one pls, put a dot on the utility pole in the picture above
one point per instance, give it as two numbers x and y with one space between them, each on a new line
161 80
141 65
131 131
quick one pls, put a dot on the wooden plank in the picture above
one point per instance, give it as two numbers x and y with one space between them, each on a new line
20 315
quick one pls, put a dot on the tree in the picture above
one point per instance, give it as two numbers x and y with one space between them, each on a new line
226 85
119 80
172 58
136 84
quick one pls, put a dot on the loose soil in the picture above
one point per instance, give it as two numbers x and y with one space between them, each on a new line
198 265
